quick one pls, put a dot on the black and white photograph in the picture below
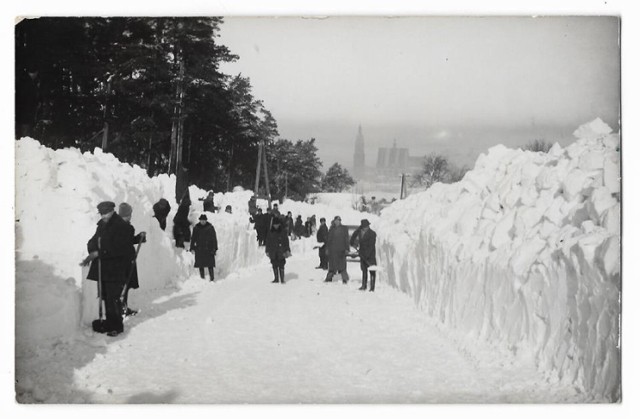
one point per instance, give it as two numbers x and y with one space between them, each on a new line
321 209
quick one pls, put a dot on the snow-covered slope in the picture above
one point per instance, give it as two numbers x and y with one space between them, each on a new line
524 251
56 197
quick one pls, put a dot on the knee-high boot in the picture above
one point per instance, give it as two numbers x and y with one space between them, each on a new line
282 274
275 274
373 281
211 274
364 281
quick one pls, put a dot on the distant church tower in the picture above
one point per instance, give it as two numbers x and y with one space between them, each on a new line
358 156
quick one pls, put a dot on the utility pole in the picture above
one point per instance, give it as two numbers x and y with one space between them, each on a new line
262 164
403 186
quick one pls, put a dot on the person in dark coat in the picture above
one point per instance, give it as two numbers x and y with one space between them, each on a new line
275 211
321 236
204 242
207 203
258 219
312 225
307 227
124 211
277 248
337 250
110 263
181 224
289 224
161 210
298 228
364 239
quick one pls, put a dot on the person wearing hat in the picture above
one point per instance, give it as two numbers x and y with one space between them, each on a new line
277 248
110 245
181 224
204 242
364 239
125 211
321 237
337 250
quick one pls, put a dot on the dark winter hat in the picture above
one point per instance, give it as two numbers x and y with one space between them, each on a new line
203 217
106 207
323 219
124 210
364 223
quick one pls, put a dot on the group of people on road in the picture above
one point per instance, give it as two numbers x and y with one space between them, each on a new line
336 246
293 229
112 251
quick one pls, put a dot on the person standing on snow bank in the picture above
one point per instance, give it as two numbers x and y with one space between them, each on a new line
207 203
364 239
204 242
321 237
109 258
124 211
181 224
161 210
337 250
277 248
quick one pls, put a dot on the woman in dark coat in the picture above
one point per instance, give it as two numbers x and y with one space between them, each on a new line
204 243
337 249
277 247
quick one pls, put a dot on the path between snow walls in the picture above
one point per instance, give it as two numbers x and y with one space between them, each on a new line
56 196
524 252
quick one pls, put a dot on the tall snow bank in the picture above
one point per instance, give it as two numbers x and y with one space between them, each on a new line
56 196
524 251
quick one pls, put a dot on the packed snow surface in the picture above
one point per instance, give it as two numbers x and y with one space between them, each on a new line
516 266
523 252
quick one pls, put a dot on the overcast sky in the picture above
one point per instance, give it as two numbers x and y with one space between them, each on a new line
438 84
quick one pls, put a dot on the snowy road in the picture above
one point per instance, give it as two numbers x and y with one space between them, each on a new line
246 340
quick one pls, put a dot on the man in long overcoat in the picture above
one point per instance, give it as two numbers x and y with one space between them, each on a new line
364 239
204 243
322 235
337 250
109 257
277 248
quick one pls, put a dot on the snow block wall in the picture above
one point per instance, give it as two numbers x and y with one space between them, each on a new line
524 251
56 196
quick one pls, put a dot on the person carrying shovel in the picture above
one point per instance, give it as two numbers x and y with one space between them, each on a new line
109 257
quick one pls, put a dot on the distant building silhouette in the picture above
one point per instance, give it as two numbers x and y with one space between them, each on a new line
392 161
358 156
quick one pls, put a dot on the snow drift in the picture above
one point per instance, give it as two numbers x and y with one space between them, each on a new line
524 251
56 196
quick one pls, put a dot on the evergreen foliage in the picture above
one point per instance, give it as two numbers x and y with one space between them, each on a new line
337 179
156 83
